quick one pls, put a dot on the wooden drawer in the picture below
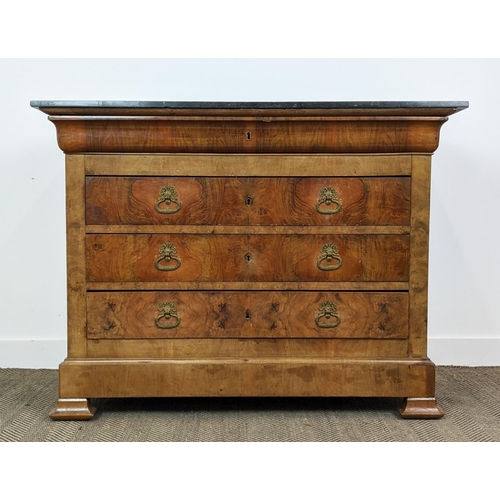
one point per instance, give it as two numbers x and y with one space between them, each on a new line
262 258
143 315
248 201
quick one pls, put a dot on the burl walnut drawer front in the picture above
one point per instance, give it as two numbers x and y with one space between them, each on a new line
142 315
266 258
247 201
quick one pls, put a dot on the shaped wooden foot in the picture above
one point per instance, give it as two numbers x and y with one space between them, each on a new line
73 409
420 408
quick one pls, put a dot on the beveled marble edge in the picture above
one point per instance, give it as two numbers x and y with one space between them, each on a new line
452 105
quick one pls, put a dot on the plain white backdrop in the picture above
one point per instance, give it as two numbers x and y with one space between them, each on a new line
464 322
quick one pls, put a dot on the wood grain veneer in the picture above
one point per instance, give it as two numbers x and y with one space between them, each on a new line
129 315
248 201
159 134
261 258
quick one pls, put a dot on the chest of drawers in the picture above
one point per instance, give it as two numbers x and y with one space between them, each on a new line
247 249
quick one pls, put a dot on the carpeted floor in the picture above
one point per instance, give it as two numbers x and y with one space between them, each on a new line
470 398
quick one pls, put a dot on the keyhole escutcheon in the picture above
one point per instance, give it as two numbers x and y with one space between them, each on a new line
248 201
249 136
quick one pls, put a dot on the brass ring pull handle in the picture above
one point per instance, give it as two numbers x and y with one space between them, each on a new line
328 310
168 310
329 252
167 195
328 196
167 252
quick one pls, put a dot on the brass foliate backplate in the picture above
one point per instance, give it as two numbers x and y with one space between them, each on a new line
168 310
167 196
167 253
328 197
328 310
329 253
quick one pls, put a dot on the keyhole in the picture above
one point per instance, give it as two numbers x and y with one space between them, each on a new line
248 201
248 257
249 136
247 314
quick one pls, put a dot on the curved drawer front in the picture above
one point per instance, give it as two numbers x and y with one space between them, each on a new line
261 258
248 201
142 315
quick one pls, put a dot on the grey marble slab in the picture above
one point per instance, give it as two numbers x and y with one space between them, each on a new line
457 105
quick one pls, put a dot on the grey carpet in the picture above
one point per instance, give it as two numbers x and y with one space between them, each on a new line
470 398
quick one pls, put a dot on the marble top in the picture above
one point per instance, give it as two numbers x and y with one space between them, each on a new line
456 105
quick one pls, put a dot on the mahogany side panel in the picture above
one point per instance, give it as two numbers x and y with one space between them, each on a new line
419 255
75 248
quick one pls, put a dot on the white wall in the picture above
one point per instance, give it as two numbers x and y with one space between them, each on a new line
464 265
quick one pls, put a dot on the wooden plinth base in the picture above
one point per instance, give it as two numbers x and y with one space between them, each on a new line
420 408
245 377
73 409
